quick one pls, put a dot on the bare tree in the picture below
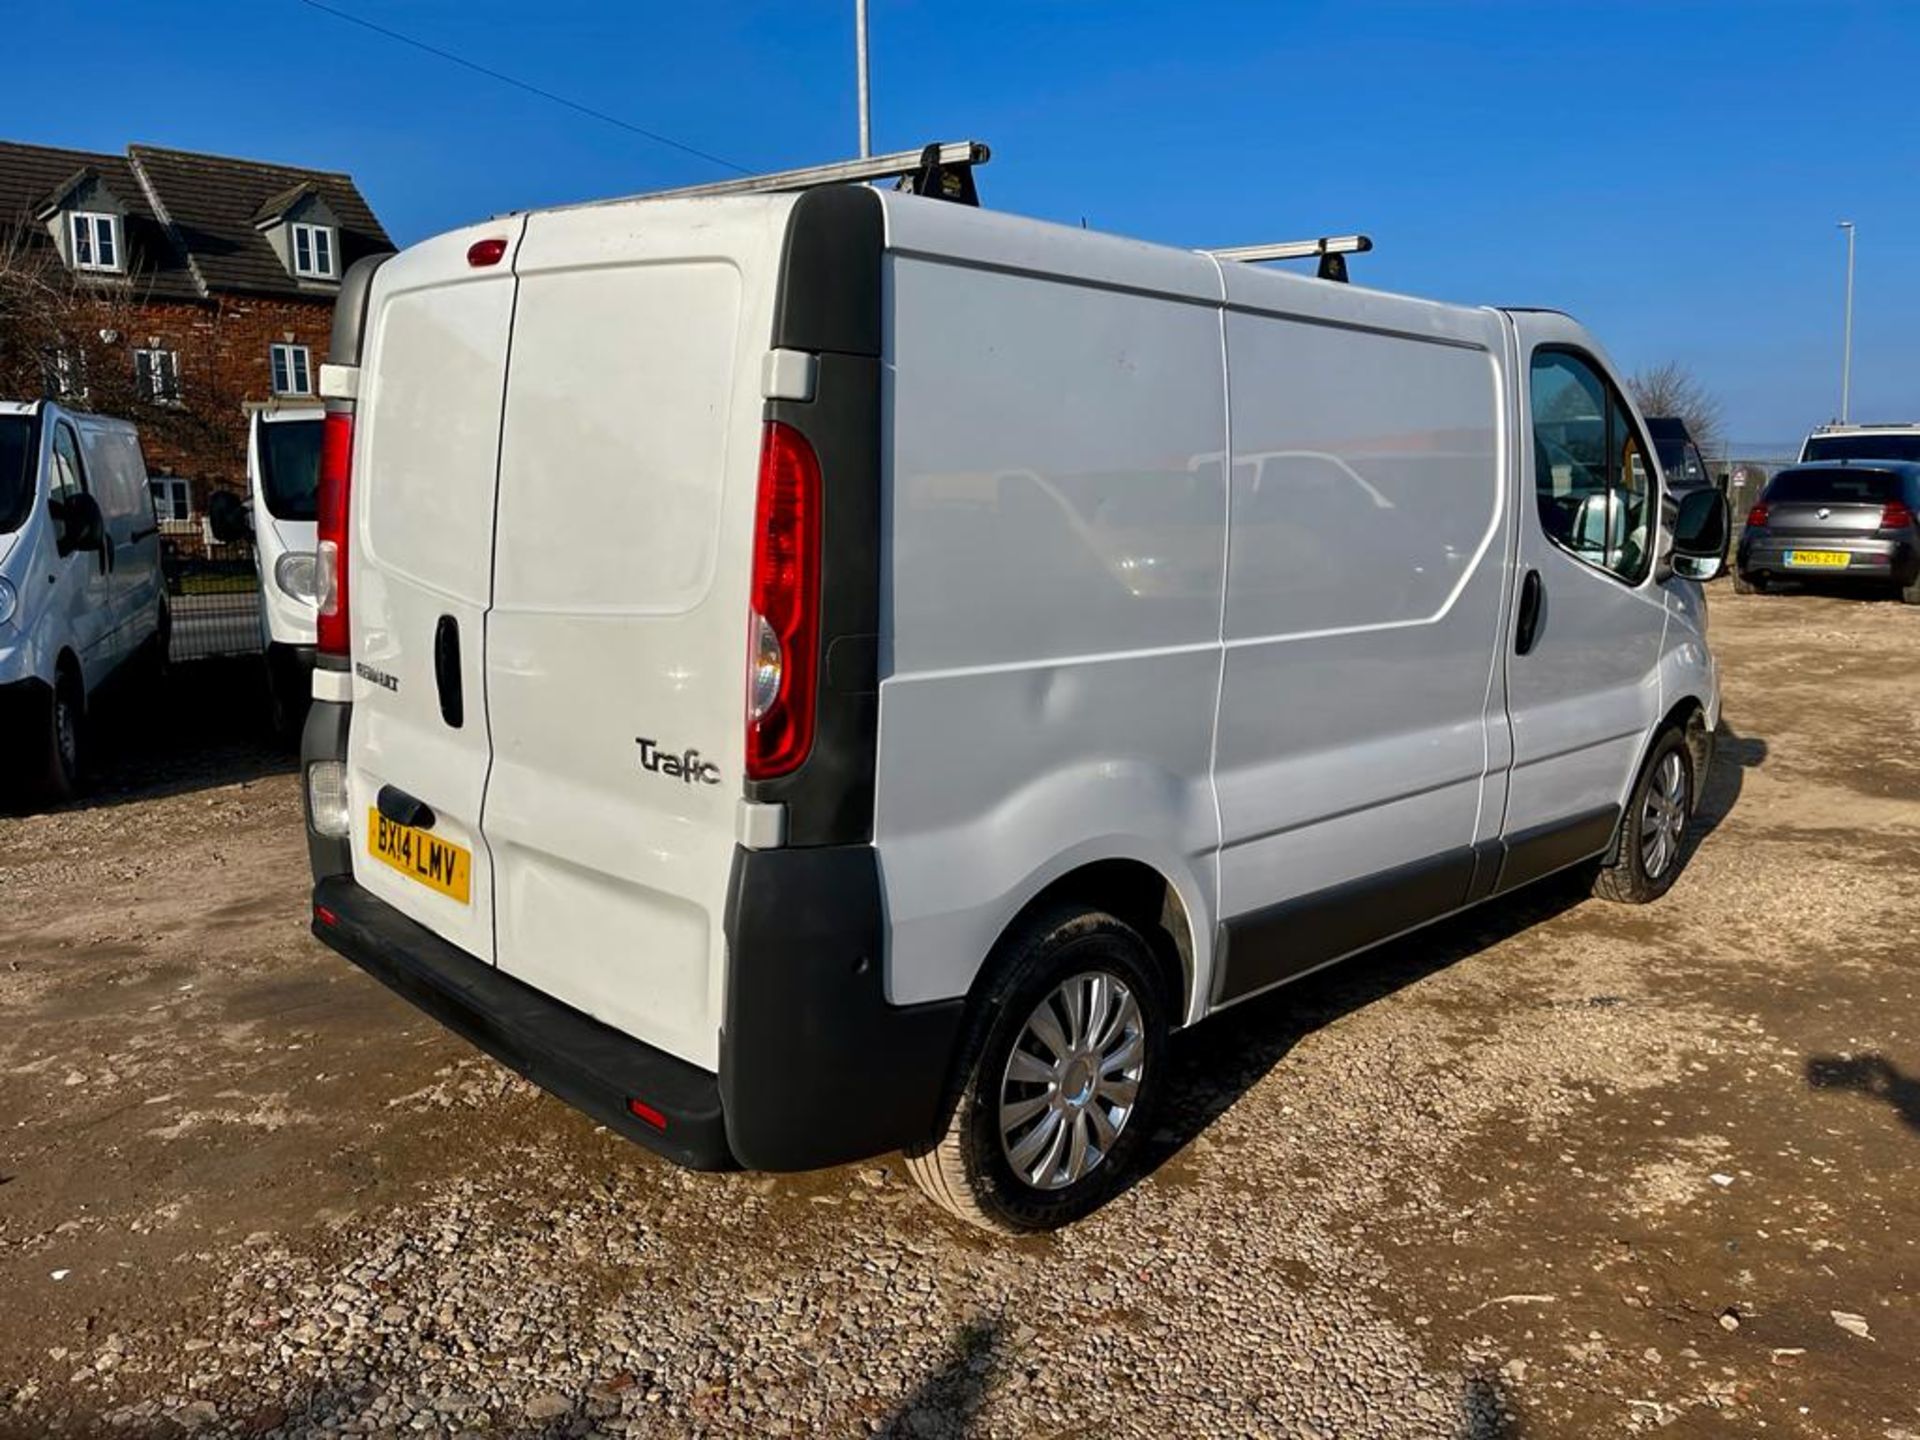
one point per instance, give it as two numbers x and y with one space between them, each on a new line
65 337
1672 389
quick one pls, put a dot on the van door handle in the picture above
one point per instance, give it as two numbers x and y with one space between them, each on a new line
446 671
1532 594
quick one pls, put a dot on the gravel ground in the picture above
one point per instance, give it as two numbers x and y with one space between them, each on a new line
1556 1168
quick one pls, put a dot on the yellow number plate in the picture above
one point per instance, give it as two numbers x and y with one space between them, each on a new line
1819 559
437 864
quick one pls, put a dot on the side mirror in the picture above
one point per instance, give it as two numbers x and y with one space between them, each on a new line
78 524
227 517
1700 534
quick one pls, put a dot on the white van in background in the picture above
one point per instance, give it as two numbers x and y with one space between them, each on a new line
283 476
807 675
81 591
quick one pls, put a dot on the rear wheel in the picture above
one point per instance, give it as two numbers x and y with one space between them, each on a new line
1061 1069
1742 585
1911 593
1653 832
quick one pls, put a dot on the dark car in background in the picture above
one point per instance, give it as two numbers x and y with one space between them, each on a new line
1845 522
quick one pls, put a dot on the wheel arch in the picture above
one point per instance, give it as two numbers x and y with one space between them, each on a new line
1144 896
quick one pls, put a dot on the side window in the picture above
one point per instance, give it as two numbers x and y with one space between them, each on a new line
1593 484
65 480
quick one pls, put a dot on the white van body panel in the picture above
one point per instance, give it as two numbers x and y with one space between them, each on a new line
425 453
629 451
1360 721
1052 579
287 619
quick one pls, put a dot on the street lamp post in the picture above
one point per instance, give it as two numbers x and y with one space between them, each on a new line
860 59
1846 349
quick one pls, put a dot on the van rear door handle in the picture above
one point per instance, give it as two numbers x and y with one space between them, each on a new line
1532 593
446 671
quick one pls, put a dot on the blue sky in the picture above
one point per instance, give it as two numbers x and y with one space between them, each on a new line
1670 173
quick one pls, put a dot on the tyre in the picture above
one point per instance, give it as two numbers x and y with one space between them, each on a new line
1059 1074
1744 586
1652 842
1910 594
54 772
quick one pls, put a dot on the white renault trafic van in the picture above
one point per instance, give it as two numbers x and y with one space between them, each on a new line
81 593
809 674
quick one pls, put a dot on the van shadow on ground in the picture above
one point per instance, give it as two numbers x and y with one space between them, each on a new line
1872 1075
206 724
1216 1063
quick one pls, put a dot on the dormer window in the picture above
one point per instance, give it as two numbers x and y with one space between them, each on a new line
96 240
313 252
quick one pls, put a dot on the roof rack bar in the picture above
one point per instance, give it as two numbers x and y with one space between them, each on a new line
1296 249
900 164
1331 250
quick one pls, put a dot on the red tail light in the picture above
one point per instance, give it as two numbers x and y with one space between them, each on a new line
330 555
643 1111
1758 514
1896 516
783 632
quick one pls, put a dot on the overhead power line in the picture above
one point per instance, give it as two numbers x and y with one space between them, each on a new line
504 79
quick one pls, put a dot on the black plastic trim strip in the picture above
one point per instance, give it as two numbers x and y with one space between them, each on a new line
593 1067
828 305
816 1067
1286 940
1537 853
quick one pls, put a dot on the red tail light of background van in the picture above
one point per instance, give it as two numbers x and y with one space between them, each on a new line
330 557
1758 514
783 637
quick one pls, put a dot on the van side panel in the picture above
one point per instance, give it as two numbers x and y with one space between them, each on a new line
425 447
616 648
1053 560
1365 592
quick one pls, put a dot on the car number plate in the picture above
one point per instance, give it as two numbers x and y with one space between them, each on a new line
437 864
1819 559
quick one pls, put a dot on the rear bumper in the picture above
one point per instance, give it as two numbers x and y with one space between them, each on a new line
593 1068
1866 559
816 1067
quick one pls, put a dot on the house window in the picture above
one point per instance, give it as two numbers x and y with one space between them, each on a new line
172 498
290 373
65 374
96 241
313 251
156 375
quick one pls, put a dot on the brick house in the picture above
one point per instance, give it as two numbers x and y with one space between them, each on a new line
173 288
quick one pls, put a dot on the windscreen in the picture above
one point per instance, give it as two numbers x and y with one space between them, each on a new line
1903 446
1833 487
17 471
290 467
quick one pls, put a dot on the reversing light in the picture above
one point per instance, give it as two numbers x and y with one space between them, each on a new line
327 806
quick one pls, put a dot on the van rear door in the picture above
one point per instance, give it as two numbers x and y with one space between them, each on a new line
425 460
616 649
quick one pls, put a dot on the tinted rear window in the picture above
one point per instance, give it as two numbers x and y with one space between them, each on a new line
17 473
290 467
1843 487
1863 447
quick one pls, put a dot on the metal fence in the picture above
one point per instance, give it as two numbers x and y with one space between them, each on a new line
213 594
